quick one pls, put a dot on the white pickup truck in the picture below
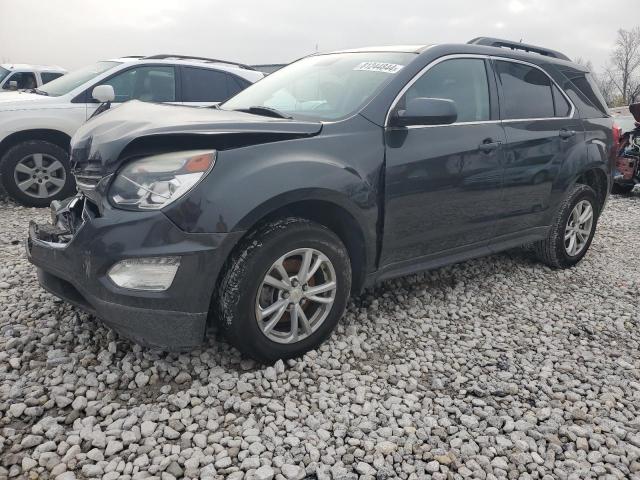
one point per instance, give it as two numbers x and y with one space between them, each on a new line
18 76
36 126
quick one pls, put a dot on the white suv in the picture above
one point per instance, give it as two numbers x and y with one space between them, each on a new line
35 128
15 76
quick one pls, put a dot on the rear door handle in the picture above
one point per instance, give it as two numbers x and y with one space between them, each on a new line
488 146
566 134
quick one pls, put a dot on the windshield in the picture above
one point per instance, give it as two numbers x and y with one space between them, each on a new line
3 73
66 83
323 87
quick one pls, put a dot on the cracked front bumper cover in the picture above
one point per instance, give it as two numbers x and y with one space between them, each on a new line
74 267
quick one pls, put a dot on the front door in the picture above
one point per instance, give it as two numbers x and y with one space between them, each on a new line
148 83
443 182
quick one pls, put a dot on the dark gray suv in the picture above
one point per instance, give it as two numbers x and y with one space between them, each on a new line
335 172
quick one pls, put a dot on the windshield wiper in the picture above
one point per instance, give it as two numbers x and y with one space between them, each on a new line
38 91
264 111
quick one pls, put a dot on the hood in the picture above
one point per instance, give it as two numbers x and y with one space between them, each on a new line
138 126
23 100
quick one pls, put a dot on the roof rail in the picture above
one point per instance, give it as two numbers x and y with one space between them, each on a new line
498 42
164 56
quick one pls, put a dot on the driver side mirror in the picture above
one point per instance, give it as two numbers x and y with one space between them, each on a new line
103 93
13 85
426 111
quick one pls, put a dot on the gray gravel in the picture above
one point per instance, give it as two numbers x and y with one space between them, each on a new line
494 368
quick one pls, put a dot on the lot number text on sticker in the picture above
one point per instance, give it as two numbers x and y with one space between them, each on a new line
378 67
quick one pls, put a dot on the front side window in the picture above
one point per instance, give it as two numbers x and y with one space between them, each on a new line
463 80
323 87
145 83
202 85
71 81
526 91
24 80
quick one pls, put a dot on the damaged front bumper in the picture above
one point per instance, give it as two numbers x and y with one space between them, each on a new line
74 254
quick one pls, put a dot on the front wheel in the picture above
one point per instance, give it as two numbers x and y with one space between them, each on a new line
36 172
572 231
284 290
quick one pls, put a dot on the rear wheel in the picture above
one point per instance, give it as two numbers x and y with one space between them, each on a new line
36 172
284 290
571 234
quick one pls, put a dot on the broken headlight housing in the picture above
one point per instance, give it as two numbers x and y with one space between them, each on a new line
152 183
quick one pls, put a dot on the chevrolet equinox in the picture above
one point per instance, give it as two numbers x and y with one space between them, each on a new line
265 213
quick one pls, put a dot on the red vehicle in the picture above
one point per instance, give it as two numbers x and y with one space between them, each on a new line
627 173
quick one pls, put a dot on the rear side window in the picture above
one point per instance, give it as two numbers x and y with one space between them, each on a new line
48 76
203 85
462 80
23 80
526 91
587 85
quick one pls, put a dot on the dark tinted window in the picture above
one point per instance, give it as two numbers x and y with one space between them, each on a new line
236 85
562 106
48 76
462 80
149 84
22 79
589 89
201 85
526 91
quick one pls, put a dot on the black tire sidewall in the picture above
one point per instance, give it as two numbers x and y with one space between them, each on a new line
18 152
581 192
241 324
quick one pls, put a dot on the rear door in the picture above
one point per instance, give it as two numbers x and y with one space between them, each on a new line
206 87
443 182
542 132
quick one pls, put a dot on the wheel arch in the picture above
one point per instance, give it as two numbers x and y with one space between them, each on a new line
597 179
56 137
337 215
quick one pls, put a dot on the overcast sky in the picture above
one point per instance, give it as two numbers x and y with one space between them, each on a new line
72 33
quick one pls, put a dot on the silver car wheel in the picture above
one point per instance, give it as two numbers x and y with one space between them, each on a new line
40 175
296 295
578 229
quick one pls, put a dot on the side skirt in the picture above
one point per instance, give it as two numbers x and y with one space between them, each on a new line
457 255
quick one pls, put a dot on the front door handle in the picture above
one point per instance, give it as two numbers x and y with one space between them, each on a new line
488 146
566 134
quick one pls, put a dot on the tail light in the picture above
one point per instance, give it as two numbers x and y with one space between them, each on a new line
617 137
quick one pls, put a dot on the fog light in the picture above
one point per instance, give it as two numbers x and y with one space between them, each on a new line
151 273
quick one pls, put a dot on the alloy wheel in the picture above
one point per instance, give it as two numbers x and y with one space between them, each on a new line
578 229
40 175
296 295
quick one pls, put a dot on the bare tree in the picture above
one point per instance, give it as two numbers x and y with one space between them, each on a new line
625 63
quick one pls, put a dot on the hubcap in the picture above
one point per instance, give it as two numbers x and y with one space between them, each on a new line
578 230
40 175
296 295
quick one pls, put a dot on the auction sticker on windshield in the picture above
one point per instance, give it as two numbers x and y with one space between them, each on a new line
378 67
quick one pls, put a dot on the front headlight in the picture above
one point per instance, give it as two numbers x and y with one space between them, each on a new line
154 182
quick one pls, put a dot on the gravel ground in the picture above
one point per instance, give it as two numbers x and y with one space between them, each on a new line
497 367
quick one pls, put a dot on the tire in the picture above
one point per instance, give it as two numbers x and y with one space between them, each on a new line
18 163
621 189
241 291
553 251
